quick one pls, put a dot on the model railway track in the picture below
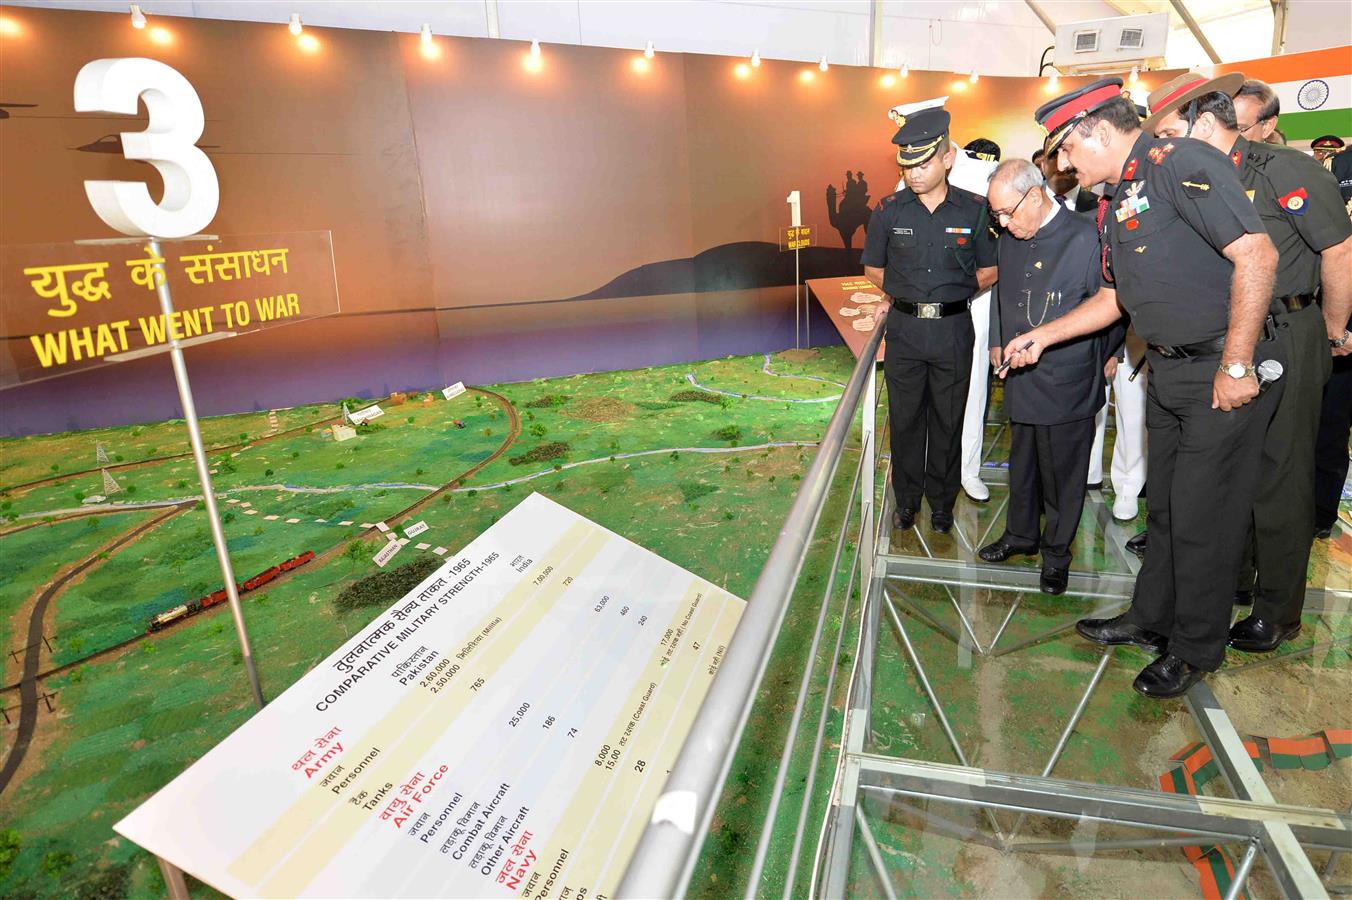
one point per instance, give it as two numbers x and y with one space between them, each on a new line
28 681
80 515
514 429
136 464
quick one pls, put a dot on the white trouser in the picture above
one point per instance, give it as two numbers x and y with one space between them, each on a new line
973 418
1129 447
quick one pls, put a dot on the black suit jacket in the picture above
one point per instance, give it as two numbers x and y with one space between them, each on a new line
1062 258
1085 201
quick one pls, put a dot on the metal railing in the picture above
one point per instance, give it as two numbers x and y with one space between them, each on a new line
665 858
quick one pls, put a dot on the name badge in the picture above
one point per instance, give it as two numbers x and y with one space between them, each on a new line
902 231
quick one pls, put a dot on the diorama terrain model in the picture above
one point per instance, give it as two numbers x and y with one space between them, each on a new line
121 666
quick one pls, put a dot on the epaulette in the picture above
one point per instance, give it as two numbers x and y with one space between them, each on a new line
888 200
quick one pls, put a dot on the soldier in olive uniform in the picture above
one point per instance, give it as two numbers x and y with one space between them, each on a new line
1185 254
1301 209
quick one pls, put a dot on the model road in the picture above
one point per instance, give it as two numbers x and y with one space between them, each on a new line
28 683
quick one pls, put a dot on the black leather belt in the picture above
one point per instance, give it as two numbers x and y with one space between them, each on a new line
1186 351
1294 303
1211 347
930 310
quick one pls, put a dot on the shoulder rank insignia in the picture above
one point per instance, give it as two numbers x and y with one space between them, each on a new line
1196 185
1157 154
1294 202
1236 158
1130 171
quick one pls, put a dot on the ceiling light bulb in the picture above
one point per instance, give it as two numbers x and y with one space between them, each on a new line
295 25
138 18
973 77
755 58
823 65
648 50
427 35
534 48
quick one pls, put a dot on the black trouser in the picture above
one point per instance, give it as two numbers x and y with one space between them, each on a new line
1048 466
1201 475
1330 460
1283 506
928 365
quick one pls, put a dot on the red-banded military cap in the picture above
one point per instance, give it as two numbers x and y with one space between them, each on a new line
1327 142
1065 112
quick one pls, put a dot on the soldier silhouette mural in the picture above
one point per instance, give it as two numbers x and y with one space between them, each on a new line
853 211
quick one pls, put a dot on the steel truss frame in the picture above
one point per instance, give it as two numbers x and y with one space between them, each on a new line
1279 833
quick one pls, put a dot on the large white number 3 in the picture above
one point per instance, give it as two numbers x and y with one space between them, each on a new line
191 192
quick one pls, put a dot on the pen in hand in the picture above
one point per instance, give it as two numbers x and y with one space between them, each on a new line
1005 365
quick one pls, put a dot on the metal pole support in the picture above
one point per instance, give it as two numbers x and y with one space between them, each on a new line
199 457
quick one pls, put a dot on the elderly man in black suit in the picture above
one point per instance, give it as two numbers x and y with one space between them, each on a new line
1048 260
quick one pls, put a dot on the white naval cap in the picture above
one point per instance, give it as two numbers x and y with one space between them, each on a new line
902 110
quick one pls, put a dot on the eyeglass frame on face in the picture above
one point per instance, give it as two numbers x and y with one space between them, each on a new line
1245 129
998 213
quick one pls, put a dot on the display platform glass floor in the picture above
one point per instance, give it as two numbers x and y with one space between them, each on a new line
1007 757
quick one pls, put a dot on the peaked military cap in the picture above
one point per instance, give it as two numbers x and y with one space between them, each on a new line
922 130
1059 116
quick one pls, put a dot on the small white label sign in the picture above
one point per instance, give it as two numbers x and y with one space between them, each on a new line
415 529
387 553
454 390
365 415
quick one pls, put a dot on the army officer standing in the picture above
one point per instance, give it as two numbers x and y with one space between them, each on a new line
930 249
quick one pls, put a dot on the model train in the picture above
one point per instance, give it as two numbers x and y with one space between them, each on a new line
192 608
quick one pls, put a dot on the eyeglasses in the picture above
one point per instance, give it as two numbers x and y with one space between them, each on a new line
1245 129
997 214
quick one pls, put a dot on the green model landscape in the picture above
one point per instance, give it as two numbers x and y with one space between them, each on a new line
660 456
698 463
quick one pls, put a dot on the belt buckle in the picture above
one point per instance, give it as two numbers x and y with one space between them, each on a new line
927 310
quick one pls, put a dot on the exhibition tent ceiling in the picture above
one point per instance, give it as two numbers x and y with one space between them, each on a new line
926 34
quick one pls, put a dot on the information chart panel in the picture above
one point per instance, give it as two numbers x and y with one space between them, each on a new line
503 730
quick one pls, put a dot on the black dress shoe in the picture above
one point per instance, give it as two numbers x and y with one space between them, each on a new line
1115 631
1255 635
903 519
1001 550
1094 486
1324 534
1054 580
1243 598
1167 677
941 522
1137 545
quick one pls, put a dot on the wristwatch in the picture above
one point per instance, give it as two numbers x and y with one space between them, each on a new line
1347 335
1236 370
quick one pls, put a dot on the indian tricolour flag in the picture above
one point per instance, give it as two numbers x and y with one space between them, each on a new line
1315 89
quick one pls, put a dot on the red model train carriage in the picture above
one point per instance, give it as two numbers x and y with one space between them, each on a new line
192 608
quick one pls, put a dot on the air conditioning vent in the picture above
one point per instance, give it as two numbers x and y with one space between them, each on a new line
1110 46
